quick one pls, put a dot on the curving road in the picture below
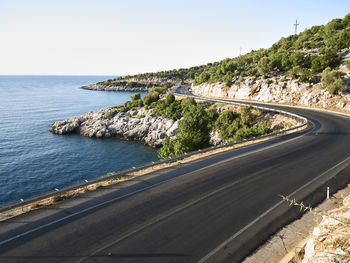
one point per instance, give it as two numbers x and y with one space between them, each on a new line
213 210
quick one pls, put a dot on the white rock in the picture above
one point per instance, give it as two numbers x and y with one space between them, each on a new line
316 231
309 250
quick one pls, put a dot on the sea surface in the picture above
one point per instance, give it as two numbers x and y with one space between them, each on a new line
32 159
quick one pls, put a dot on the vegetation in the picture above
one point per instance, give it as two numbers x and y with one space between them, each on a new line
305 56
193 133
235 127
298 56
332 80
196 121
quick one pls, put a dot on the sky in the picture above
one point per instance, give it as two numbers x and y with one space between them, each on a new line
120 37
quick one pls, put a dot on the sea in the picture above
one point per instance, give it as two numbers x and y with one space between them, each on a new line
33 160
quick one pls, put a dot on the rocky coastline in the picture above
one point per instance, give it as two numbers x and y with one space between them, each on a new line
143 125
140 124
114 88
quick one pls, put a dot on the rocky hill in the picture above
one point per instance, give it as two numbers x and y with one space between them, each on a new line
284 90
301 58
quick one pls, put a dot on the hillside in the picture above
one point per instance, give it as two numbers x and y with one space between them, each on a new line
301 57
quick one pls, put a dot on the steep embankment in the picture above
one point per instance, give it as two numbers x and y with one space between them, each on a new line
330 239
284 90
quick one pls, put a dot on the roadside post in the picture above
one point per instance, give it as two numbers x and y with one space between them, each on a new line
327 192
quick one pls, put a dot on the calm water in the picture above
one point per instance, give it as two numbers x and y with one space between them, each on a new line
33 160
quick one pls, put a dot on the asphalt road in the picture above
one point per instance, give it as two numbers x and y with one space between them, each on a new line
187 214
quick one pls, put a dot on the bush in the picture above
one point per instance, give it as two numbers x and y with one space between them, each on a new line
137 103
136 96
170 98
228 81
188 102
332 80
193 133
294 72
152 96
110 114
306 76
264 66
247 117
248 132
316 66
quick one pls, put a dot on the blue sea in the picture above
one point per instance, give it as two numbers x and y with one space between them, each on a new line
32 159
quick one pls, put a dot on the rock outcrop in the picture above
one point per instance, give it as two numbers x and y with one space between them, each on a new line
140 125
276 90
330 239
280 89
143 125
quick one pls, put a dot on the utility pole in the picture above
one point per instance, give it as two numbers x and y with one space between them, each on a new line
296 27
240 51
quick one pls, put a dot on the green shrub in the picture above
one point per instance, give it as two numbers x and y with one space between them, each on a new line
264 66
247 117
306 76
110 114
248 132
136 96
228 81
332 80
138 103
193 133
294 72
170 98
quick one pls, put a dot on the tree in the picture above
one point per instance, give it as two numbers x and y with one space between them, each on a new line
264 66
228 80
306 76
247 116
193 133
316 66
297 58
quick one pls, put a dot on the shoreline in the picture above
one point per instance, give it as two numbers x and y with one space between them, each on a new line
104 181
119 177
114 88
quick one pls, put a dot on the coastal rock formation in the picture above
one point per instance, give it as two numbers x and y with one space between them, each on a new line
114 88
140 125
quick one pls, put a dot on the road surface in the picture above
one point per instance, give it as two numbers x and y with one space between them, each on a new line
212 210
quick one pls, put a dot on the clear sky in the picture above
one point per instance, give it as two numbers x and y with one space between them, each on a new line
118 37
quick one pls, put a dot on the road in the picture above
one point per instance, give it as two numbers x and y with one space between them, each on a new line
213 210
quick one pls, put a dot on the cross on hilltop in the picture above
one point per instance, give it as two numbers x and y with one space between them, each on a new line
296 26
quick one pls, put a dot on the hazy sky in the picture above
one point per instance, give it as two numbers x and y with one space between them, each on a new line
106 37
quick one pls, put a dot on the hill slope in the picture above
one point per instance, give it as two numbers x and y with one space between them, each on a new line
301 57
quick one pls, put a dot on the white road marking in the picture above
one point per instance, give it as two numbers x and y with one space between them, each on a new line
223 244
146 188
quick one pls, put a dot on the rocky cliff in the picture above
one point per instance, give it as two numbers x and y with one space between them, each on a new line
140 125
280 89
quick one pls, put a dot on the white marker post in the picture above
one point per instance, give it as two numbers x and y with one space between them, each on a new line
327 192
